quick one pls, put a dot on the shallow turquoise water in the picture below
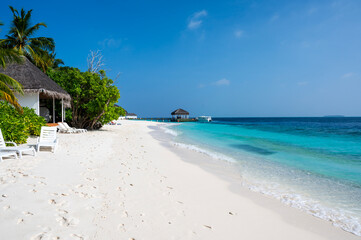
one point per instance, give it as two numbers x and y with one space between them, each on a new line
310 163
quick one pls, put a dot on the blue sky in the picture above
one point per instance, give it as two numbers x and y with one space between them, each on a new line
218 58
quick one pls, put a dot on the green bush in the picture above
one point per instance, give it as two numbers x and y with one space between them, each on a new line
17 127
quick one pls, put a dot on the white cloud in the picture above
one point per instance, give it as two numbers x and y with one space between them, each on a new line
238 33
110 42
196 20
222 82
347 75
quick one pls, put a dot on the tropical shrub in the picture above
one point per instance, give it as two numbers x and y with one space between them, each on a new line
93 96
16 126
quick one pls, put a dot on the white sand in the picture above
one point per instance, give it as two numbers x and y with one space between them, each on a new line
121 183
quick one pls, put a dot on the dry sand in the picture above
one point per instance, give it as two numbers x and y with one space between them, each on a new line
121 183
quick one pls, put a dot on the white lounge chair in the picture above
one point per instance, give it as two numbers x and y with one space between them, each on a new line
63 129
7 154
74 129
47 138
18 149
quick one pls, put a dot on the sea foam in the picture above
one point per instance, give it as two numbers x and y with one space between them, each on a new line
214 155
169 131
337 217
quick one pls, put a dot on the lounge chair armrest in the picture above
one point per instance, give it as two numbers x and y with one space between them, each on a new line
37 139
14 144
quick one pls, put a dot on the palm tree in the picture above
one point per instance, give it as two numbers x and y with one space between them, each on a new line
39 50
7 56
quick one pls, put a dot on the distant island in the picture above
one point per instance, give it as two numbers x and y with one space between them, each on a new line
333 116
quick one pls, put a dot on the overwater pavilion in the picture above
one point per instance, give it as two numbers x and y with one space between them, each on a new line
180 114
40 91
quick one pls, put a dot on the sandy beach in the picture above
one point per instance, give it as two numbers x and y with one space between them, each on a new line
123 183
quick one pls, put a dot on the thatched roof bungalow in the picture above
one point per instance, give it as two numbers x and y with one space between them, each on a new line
130 115
37 86
180 114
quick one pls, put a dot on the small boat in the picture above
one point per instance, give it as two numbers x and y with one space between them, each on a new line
204 119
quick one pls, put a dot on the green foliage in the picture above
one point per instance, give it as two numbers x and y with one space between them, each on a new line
6 82
93 96
39 50
16 126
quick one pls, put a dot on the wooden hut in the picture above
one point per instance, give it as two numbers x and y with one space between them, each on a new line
38 89
180 114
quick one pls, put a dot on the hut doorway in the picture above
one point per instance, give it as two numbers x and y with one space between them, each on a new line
51 109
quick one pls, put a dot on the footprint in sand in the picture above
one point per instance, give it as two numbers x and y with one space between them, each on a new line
62 211
125 214
20 220
27 213
76 236
122 227
67 222
39 236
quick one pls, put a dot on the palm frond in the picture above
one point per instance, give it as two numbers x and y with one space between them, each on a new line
57 62
44 43
10 82
13 101
15 12
30 31
7 94
8 56
38 50
40 57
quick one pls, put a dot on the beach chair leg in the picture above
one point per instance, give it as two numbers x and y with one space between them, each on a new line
20 154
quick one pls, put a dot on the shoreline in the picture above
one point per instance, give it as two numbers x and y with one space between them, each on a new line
228 171
299 197
122 183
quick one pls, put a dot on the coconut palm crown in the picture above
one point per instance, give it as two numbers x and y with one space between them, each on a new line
20 37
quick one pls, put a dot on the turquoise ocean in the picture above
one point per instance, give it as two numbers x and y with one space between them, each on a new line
313 164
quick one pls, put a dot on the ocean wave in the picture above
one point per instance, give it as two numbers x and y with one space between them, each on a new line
168 130
203 151
171 132
338 217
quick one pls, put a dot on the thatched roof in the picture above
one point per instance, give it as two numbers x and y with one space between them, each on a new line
35 81
130 114
180 111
